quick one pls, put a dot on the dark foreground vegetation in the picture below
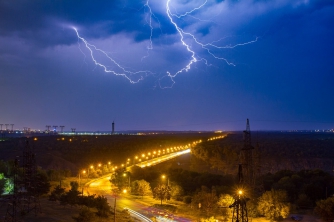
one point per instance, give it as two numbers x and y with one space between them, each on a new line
294 172
77 152
273 151
275 196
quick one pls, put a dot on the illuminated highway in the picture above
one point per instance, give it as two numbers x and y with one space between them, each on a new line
161 159
140 211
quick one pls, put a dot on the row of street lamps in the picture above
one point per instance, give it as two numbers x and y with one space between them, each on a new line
146 156
156 153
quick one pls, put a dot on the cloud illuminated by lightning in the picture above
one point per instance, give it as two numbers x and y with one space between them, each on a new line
205 46
133 77
187 39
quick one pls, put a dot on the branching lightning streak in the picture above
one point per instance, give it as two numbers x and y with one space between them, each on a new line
151 14
187 13
185 36
180 31
150 24
205 46
125 73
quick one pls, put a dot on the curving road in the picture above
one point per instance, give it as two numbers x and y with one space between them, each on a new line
139 211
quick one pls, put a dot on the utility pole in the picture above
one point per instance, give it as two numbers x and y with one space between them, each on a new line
247 157
61 129
48 128
239 205
115 210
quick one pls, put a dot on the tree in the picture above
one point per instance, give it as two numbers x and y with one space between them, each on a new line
105 169
303 201
57 193
118 179
273 205
9 186
161 192
88 201
2 183
211 219
225 200
325 209
141 187
85 215
42 183
176 191
102 206
206 199
72 196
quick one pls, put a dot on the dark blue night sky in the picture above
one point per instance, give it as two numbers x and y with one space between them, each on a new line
269 61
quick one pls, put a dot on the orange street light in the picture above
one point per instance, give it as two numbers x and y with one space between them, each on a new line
163 177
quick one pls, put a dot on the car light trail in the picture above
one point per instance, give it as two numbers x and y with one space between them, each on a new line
138 215
161 159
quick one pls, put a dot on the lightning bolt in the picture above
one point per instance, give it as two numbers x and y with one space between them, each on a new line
206 46
129 75
149 21
187 39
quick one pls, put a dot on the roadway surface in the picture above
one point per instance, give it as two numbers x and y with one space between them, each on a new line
137 210
160 159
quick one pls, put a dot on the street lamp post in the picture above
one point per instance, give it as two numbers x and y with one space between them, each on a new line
127 174
115 210
163 177
91 167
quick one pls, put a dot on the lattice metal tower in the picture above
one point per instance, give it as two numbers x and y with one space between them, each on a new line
239 205
61 129
48 128
24 199
247 158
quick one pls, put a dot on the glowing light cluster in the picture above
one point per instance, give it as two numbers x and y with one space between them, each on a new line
216 137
